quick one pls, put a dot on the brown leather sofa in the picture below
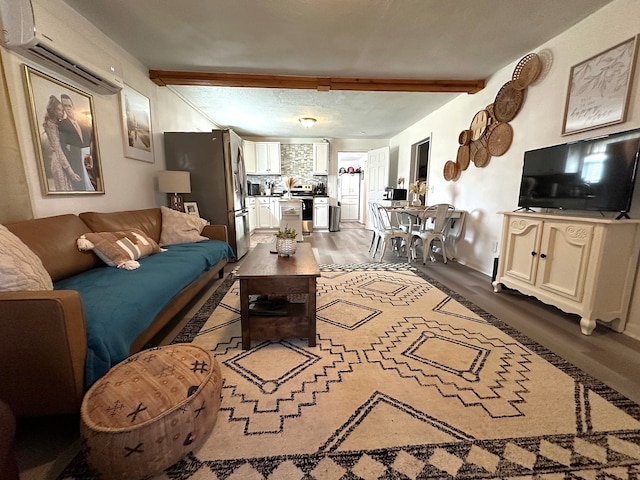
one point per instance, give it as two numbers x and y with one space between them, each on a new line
43 341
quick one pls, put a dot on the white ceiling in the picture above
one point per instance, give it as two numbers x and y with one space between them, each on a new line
414 39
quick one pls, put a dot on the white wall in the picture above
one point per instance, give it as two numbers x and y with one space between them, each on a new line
129 184
485 191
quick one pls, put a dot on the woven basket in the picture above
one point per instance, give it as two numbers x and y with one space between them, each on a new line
286 246
150 410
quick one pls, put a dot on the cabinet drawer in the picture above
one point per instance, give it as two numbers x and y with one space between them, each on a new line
320 201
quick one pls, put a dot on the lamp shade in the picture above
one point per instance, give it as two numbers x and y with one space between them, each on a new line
173 181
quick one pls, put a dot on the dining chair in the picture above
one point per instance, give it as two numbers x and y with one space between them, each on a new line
373 215
430 231
409 222
388 233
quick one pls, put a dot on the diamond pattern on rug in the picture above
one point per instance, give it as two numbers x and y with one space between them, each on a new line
345 314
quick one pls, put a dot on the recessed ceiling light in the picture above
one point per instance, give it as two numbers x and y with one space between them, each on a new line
307 122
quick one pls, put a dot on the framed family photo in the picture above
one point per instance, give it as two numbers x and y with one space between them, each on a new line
136 125
598 92
63 122
191 208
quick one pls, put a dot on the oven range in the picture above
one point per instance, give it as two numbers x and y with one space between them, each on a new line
305 193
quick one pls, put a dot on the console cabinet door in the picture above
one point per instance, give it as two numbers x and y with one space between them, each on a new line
563 258
521 249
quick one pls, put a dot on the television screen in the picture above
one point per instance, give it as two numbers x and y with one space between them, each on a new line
593 174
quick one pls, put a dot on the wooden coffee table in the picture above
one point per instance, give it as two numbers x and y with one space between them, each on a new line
266 274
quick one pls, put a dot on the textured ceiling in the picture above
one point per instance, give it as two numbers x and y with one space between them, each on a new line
414 39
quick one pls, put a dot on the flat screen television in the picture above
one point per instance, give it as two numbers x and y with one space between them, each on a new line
591 174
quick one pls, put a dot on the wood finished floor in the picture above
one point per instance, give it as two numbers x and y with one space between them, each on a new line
45 445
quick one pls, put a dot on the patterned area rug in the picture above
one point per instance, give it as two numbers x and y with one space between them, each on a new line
407 381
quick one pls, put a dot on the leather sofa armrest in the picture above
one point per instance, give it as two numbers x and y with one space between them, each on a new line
43 348
215 232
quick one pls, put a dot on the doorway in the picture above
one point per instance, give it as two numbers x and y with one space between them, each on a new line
421 162
351 166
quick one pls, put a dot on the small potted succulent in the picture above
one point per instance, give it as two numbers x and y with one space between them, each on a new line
286 243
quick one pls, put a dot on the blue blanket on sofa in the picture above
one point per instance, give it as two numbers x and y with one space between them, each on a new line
120 304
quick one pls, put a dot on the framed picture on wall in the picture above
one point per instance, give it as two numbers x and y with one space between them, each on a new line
63 122
136 125
598 92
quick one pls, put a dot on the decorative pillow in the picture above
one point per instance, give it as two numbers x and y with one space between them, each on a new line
178 227
20 268
119 249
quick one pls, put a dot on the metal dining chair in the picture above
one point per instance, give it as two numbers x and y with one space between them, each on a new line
430 231
373 215
388 233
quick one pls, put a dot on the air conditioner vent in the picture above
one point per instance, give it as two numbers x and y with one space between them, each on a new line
99 84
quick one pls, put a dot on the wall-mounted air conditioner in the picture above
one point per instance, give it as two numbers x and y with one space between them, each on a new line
34 32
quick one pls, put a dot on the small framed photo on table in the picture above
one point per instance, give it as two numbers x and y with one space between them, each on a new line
191 208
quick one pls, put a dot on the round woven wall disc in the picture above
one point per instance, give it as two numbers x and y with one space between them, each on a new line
508 102
465 137
526 71
492 115
499 139
481 158
450 170
479 124
464 156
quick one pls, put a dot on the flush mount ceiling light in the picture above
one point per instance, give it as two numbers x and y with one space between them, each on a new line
307 122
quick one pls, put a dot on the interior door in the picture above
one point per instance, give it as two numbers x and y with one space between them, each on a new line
376 176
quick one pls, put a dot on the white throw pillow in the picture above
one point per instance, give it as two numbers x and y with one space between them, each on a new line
20 268
178 227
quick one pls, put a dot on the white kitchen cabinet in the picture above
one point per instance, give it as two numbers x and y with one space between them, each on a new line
268 212
321 213
321 158
249 155
267 158
253 213
581 265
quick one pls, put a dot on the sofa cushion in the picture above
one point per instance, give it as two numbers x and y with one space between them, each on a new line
20 268
148 220
53 240
119 305
119 249
179 227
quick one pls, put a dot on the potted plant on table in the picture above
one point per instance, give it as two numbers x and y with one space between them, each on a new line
286 243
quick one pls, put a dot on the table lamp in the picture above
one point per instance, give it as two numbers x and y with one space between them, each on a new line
174 182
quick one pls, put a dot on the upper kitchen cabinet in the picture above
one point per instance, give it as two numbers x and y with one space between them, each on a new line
249 155
321 159
267 159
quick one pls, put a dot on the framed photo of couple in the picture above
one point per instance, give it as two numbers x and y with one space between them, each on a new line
63 122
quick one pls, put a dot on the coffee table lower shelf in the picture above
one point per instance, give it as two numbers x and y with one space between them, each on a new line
295 324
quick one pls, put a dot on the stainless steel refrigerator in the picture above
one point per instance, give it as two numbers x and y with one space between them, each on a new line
218 179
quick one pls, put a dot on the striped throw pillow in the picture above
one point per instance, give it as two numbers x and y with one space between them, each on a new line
119 249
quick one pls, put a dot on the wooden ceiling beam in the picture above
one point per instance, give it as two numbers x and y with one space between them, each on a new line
168 77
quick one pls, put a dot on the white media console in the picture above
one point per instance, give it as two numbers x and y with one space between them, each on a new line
581 265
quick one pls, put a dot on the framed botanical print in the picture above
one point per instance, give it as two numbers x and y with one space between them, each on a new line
136 125
63 122
598 93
